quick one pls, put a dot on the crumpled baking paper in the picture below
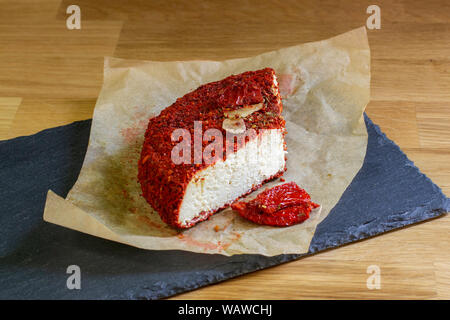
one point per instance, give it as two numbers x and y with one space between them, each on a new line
325 88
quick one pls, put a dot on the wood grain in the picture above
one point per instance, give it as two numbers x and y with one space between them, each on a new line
8 109
51 76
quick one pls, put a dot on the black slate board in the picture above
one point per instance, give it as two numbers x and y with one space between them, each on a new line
389 192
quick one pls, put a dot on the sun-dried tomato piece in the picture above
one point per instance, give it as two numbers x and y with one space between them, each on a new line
281 197
283 205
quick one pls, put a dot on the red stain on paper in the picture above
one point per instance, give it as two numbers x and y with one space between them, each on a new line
208 246
149 222
193 242
131 134
286 84
163 228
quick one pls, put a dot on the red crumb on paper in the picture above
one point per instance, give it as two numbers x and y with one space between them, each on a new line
283 205
125 193
126 196
237 236
132 210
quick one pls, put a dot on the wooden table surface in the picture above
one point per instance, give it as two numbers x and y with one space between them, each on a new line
50 76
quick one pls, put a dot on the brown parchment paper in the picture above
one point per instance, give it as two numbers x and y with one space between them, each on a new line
325 88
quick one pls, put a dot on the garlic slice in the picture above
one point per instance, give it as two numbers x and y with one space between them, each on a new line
243 112
235 126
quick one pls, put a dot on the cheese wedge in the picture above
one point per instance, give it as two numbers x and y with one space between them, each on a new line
212 146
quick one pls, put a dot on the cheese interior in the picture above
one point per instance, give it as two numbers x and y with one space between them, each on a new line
225 181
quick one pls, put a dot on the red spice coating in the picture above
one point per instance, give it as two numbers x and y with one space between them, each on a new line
283 205
163 182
